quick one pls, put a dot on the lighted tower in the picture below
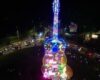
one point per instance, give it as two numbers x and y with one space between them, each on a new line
56 6
54 61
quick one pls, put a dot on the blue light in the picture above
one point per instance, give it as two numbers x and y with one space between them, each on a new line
40 34
55 49
55 40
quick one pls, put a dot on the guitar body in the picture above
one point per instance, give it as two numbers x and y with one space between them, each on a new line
55 61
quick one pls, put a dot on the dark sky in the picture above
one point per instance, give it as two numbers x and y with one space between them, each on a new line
21 13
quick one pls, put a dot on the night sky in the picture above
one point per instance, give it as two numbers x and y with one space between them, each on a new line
24 14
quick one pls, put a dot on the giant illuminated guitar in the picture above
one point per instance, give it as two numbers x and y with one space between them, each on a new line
54 61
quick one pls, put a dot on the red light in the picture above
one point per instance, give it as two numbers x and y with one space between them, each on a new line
90 55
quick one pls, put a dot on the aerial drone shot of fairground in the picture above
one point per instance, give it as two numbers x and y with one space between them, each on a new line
50 40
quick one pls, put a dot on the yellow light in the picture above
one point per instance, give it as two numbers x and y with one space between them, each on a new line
94 36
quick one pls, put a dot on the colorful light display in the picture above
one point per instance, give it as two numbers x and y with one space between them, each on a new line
54 61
